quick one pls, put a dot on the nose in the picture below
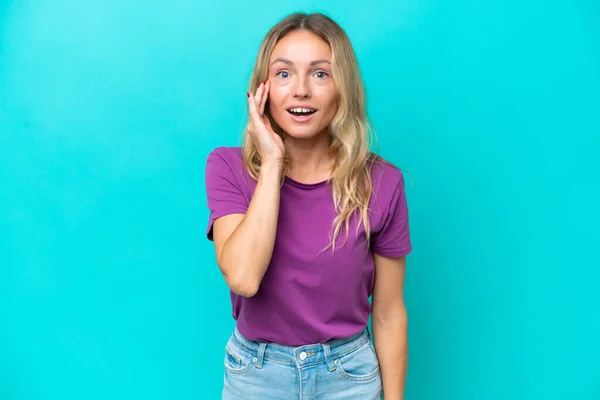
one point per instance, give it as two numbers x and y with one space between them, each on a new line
302 89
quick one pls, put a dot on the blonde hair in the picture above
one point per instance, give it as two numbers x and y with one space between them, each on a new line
350 130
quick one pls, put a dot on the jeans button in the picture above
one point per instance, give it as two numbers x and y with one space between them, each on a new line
302 356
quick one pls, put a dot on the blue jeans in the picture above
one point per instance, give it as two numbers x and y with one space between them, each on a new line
345 369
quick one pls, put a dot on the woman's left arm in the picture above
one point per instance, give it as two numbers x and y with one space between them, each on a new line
390 324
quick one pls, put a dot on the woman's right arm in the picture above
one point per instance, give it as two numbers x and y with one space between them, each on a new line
244 242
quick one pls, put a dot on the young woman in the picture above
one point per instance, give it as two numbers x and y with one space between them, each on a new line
307 223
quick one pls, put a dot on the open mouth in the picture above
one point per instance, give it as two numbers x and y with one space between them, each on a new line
301 111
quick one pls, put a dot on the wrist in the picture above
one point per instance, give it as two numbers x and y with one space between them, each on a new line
271 165
271 168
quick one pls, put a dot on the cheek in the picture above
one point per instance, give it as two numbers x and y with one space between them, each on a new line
328 97
332 105
276 106
276 99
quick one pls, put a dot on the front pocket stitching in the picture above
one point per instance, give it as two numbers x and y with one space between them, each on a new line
239 360
236 370
360 378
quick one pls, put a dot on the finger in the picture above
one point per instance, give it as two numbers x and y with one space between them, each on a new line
259 94
265 96
252 110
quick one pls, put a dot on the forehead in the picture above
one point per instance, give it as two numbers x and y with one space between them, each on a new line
301 47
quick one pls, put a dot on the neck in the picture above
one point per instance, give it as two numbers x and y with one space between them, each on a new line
310 160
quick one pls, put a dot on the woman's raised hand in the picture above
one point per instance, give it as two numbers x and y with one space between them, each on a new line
269 143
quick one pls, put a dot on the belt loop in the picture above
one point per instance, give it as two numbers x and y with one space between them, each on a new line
258 361
328 358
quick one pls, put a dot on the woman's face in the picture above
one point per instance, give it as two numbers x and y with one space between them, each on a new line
302 98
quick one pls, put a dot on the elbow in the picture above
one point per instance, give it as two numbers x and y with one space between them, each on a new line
239 277
242 286
244 290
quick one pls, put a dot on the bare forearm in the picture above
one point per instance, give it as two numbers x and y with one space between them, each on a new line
248 251
391 344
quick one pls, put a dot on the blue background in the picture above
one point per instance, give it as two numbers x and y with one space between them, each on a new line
108 109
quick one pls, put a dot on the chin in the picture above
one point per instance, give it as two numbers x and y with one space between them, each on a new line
301 134
304 132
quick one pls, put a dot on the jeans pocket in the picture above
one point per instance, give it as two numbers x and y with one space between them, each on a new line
360 365
236 361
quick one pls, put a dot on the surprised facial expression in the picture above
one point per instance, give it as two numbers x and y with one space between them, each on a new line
302 97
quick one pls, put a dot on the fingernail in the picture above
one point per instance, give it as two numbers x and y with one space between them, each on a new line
248 93
266 80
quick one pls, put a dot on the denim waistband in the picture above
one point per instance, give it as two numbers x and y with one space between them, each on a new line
302 355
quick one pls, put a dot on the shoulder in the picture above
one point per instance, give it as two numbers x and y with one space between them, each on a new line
229 154
388 187
225 160
385 176
226 165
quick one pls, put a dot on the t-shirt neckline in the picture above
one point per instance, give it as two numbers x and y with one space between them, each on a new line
305 185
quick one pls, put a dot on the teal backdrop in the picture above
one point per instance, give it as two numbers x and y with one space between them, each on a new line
108 109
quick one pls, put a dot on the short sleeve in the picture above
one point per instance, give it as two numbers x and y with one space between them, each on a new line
224 195
393 239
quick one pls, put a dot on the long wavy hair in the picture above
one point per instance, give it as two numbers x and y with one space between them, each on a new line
350 131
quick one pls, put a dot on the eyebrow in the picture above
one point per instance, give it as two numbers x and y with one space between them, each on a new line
312 63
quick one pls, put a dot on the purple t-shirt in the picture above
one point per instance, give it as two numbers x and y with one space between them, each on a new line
306 297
